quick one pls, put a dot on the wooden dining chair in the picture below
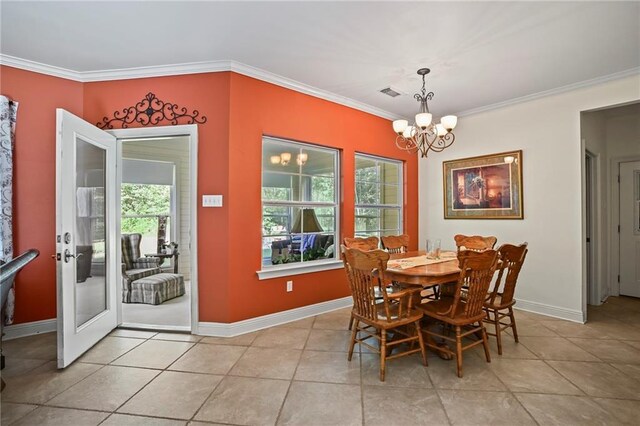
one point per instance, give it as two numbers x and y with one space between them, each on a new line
375 320
395 243
500 303
474 243
464 311
368 243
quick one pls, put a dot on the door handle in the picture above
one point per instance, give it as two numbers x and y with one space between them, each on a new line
68 254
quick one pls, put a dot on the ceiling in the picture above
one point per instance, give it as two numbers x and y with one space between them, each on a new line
480 53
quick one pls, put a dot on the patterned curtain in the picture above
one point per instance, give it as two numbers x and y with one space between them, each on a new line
8 111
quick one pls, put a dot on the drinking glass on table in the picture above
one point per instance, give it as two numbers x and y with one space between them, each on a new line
433 249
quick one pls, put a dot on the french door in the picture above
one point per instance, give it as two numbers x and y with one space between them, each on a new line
87 267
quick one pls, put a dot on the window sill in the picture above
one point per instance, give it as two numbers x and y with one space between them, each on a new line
288 270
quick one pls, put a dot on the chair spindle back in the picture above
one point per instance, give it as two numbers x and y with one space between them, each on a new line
360 266
477 271
395 243
511 257
369 243
474 243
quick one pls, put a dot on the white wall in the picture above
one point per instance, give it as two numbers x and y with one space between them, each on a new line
175 150
548 132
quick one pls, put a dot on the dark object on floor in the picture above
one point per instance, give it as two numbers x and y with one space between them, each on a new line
8 272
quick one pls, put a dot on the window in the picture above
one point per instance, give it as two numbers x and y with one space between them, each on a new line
147 195
378 196
299 202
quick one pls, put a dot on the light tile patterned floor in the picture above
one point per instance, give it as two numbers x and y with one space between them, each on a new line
560 373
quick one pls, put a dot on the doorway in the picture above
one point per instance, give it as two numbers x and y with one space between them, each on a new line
629 228
156 210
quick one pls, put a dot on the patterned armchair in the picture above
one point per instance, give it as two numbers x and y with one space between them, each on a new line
134 266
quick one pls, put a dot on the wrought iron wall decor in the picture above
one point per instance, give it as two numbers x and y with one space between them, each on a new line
152 111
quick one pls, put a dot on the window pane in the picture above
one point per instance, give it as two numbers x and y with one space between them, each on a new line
326 218
367 193
390 220
139 199
279 157
318 163
278 186
275 220
279 250
322 189
366 169
367 220
389 172
389 194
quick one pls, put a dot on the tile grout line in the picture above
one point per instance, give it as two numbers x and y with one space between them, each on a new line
286 395
160 371
193 416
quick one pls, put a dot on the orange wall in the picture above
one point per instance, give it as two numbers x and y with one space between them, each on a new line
209 94
34 193
259 108
239 110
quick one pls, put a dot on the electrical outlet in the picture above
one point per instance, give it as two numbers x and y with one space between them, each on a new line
289 286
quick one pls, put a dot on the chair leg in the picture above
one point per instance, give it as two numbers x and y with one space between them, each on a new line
496 317
423 348
383 353
513 324
458 351
354 332
351 322
485 342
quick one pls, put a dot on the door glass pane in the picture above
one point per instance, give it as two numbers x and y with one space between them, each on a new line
91 236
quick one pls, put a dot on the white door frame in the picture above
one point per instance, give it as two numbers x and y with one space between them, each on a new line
598 290
190 130
614 253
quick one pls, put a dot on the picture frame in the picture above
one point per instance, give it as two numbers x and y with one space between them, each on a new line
484 187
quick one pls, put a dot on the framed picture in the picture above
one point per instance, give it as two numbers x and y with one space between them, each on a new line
486 187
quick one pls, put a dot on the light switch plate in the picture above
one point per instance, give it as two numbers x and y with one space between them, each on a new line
212 201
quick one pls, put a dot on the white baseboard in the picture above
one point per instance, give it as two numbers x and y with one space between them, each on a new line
155 327
550 310
219 329
29 329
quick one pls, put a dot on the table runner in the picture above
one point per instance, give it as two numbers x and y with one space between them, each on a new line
412 262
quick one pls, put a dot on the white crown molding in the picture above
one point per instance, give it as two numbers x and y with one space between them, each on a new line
550 92
156 71
29 329
219 329
25 64
193 68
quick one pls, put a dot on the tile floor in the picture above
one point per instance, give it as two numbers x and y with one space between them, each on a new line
560 373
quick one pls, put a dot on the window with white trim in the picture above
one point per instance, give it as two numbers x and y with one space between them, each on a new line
300 193
378 191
